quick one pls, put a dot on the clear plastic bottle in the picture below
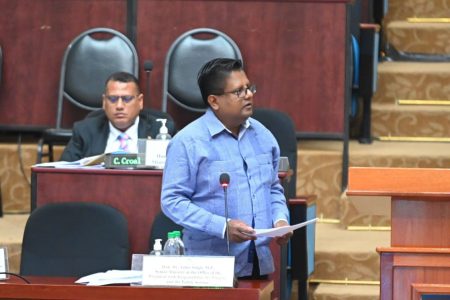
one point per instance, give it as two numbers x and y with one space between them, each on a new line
179 241
157 248
170 247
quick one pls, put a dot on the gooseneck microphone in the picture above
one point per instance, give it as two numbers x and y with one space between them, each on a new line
148 67
224 180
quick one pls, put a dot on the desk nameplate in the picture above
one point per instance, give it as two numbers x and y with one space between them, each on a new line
188 271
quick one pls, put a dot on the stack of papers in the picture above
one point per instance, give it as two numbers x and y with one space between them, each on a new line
112 277
96 161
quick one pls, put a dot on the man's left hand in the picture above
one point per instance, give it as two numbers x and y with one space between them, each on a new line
284 239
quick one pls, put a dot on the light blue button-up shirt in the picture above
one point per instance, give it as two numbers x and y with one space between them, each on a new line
193 197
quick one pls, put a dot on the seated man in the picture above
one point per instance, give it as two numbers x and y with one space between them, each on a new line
226 140
119 126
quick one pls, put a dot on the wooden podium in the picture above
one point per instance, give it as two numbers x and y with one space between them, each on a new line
418 261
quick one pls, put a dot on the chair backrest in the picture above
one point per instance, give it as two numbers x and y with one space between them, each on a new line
88 61
160 227
283 128
74 239
186 56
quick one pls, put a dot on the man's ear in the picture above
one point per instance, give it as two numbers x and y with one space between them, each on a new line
213 102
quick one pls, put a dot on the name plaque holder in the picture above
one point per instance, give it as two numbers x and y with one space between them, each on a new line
188 271
3 263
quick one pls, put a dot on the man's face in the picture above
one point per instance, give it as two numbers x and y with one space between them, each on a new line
122 111
235 106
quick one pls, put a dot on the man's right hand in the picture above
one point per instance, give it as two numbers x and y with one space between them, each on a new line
239 232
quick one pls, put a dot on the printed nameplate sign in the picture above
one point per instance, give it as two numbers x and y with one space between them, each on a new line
188 271
155 153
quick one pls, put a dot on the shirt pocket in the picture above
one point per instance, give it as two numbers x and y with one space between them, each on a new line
266 171
217 168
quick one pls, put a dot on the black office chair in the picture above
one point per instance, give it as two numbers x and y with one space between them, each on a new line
186 56
160 227
88 61
283 128
302 242
74 239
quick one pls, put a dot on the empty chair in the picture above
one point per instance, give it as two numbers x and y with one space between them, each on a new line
88 61
186 56
74 239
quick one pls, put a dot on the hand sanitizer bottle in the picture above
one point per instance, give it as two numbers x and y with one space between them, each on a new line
157 248
163 131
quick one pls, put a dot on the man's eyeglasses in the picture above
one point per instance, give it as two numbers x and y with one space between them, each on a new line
125 98
242 92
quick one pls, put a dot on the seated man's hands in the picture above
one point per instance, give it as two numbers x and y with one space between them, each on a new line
283 240
239 232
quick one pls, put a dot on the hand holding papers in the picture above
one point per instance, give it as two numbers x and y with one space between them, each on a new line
280 231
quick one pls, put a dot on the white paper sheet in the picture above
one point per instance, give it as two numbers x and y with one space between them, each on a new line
112 277
280 231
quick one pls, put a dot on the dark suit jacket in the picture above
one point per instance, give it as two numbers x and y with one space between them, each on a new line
90 135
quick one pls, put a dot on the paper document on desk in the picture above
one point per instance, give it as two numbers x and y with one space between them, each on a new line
91 161
112 277
280 231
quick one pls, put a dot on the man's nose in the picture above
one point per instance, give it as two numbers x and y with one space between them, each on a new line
120 104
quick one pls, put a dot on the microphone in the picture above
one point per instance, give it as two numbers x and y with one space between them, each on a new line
224 180
148 67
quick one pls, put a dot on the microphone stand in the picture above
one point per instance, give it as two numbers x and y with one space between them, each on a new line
148 67
226 218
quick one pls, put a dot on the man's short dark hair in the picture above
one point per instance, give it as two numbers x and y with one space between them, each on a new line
212 76
122 77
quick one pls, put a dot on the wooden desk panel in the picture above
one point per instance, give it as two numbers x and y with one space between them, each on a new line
64 288
420 239
136 193
403 268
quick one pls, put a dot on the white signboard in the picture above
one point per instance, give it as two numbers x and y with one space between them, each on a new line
155 153
3 263
188 271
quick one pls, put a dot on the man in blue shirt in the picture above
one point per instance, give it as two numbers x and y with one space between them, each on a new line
226 140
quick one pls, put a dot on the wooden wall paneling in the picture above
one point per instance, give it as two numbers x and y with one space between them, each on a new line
34 36
293 50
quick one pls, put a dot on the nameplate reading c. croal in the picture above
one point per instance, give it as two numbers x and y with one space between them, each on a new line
188 271
123 160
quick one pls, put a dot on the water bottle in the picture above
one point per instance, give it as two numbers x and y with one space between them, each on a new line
157 248
179 241
170 247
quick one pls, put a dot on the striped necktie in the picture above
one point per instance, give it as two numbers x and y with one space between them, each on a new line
123 140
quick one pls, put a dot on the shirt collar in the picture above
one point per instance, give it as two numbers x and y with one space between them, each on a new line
215 126
132 132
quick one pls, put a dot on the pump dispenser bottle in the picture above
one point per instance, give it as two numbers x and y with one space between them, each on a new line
157 248
163 131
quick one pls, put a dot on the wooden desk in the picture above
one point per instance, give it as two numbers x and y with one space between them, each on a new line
420 236
64 288
136 193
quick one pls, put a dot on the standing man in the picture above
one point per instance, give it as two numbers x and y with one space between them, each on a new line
119 126
226 140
